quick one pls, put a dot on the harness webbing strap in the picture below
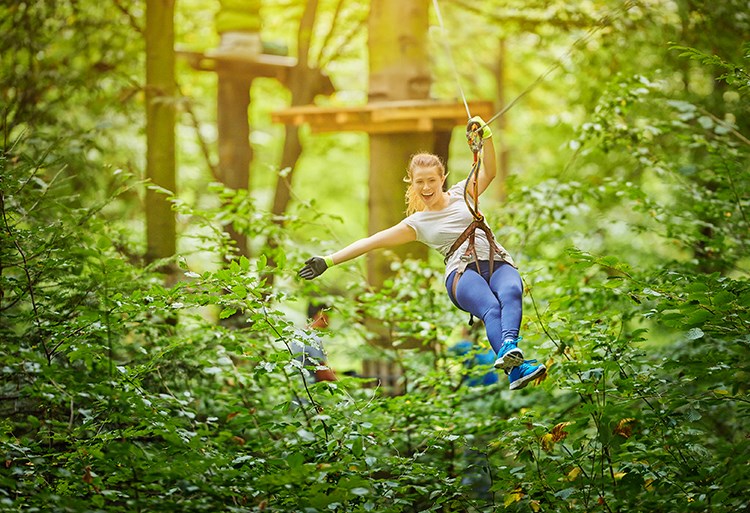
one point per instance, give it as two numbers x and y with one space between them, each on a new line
470 253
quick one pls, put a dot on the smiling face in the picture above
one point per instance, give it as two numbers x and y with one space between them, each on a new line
427 181
425 176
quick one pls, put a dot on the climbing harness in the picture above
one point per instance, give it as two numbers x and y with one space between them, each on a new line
475 140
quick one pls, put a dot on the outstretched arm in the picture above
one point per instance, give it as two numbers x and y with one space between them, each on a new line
393 236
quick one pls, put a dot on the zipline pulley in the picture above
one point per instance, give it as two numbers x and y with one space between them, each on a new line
474 137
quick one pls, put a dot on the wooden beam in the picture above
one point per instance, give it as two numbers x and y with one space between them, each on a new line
253 65
384 117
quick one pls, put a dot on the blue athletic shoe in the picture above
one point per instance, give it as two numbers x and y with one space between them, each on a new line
525 373
509 355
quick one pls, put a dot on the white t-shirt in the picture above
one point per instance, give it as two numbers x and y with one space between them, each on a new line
439 229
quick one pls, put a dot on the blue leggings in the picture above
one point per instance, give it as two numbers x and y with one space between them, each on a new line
495 299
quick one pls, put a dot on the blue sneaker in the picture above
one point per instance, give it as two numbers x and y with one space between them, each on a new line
525 373
509 355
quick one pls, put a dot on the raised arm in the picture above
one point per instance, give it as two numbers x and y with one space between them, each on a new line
488 169
393 236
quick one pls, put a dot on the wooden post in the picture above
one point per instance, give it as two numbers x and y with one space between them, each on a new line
239 26
235 152
160 120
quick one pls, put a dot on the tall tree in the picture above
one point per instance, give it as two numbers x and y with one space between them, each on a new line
160 120
399 70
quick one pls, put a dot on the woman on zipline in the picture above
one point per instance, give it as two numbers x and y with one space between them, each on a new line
480 275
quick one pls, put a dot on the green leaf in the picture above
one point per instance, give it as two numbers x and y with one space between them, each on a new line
227 312
565 493
295 460
697 318
357 449
723 298
613 282
239 291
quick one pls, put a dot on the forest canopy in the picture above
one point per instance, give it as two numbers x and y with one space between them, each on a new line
135 380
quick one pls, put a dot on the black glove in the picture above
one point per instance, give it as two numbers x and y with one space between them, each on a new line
314 267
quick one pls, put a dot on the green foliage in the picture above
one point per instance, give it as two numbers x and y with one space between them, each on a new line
123 392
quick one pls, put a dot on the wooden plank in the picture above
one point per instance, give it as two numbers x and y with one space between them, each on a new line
261 65
383 117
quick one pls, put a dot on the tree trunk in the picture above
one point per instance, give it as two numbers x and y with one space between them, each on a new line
399 70
160 120
235 152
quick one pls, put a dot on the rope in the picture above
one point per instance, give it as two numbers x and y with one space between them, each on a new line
553 67
473 173
450 57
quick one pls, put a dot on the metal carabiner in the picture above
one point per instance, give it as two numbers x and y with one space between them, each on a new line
474 136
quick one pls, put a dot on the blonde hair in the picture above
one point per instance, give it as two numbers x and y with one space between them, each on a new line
414 201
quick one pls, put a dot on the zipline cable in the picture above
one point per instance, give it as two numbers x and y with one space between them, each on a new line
450 57
552 68
601 23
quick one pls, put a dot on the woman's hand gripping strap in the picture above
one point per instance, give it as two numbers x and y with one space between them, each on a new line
476 131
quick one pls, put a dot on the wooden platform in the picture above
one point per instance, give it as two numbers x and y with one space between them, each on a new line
385 117
252 65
